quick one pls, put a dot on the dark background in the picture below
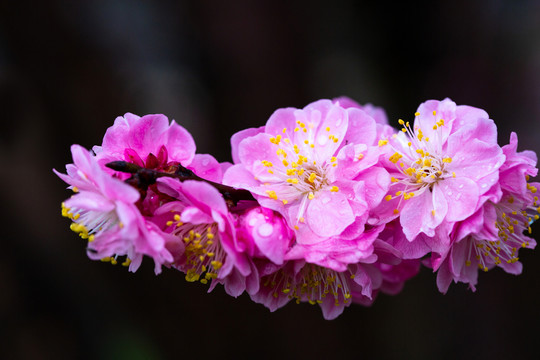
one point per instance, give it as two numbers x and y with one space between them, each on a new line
67 69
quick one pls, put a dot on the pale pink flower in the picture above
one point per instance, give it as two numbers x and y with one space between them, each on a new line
493 236
200 218
443 168
154 143
103 211
315 166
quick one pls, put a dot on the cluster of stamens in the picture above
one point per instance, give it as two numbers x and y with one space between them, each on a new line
513 219
89 224
303 173
421 165
204 255
313 283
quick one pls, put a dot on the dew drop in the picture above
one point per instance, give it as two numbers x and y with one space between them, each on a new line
458 196
449 193
483 185
322 139
460 186
265 230
325 200
252 221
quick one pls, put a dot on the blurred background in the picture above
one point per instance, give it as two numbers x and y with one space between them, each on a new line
67 69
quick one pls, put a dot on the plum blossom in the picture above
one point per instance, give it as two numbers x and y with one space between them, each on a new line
152 142
200 218
313 168
443 168
332 290
496 232
327 204
103 211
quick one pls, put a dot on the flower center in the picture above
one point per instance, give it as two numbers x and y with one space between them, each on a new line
420 164
302 171
313 283
90 223
204 255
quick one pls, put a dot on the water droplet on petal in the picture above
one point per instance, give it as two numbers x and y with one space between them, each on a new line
265 230
322 139
449 193
460 186
252 221
325 200
483 185
458 196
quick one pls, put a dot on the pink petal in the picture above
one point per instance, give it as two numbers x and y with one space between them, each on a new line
180 144
204 195
361 129
206 167
90 201
328 214
194 215
147 132
238 176
237 138
444 110
417 216
462 196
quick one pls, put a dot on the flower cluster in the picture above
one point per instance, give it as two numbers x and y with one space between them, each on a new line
327 204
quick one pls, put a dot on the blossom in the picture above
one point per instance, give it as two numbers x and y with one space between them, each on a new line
200 218
334 290
304 282
103 211
314 168
496 232
154 143
443 168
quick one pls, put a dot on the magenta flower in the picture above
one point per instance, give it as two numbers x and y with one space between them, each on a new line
493 236
151 142
104 212
314 168
443 168
200 218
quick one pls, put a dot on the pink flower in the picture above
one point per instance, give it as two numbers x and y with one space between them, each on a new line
304 282
444 168
200 218
334 290
104 212
493 236
315 166
151 142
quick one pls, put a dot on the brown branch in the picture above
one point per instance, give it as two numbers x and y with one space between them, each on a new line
142 178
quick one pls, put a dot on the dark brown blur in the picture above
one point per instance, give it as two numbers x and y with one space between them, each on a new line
67 69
